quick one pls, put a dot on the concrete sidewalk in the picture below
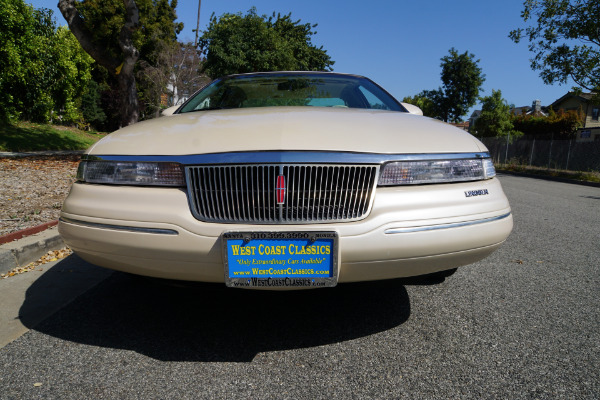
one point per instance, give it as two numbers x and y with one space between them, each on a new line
8 154
29 298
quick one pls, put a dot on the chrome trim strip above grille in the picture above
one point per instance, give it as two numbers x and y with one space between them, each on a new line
393 231
156 231
288 157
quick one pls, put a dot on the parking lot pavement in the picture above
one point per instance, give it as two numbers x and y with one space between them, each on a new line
520 324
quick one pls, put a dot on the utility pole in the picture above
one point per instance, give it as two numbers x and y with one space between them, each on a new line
197 24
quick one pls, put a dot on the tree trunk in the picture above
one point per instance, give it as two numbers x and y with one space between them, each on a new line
121 68
130 110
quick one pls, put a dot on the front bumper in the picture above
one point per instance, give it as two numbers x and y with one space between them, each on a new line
410 231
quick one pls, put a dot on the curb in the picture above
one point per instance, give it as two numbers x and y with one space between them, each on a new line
548 178
25 250
11 237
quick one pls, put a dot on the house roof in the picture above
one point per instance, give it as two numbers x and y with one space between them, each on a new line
476 114
463 125
520 110
583 97
528 110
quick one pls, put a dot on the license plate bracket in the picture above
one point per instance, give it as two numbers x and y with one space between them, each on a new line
280 259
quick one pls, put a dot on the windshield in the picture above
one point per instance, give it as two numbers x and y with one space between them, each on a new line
272 90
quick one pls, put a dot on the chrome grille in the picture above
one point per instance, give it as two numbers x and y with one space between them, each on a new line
314 193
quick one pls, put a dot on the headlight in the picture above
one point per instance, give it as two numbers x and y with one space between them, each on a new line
435 171
131 173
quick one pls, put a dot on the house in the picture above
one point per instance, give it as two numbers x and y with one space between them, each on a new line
535 109
590 131
474 117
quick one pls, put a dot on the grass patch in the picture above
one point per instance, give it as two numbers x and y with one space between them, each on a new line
575 175
27 136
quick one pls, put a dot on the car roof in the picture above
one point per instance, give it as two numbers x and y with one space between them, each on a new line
331 73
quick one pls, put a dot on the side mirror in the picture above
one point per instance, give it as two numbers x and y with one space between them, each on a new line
411 108
167 112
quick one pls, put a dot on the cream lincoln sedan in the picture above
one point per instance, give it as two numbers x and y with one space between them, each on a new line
287 180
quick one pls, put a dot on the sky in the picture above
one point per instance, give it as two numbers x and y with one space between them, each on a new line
399 44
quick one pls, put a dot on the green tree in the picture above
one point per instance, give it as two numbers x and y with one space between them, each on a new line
495 118
297 40
424 102
44 70
564 37
73 72
24 36
461 83
117 33
91 106
236 43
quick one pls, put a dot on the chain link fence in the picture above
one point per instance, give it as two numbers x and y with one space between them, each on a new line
552 154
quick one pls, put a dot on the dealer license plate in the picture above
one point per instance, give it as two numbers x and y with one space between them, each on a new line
280 259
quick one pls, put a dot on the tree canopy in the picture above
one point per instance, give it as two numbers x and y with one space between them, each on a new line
461 83
44 71
564 37
117 33
236 43
495 118
106 18
424 102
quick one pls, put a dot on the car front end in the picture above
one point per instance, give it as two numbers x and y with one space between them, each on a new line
286 197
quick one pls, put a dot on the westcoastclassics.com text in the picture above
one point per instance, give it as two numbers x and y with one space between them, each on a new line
278 282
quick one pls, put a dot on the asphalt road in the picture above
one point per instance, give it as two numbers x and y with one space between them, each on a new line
524 323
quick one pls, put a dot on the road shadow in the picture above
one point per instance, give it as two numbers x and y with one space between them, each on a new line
211 323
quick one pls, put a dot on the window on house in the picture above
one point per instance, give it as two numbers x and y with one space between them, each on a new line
586 134
595 113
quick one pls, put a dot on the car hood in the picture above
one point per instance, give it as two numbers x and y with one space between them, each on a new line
288 128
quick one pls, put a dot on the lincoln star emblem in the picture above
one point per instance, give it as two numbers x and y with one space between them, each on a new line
280 189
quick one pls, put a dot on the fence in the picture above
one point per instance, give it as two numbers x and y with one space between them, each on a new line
552 154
